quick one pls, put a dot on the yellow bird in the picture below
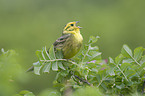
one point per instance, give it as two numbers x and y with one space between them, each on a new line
71 40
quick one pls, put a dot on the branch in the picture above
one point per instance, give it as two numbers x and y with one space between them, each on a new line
82 80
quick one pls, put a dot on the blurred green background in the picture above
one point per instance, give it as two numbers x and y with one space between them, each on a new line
29 25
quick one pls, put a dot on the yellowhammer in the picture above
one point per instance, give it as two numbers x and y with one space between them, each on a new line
71 40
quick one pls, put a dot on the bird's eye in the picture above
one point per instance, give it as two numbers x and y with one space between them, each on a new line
72 24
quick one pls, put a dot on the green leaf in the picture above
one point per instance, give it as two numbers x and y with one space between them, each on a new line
111 71
2 50
43 49
93 54
141 69
111 60
93 39
59 54
104 86
47 67
47 57
128 60
98 78
60 65
126 51
119 59
52 53
138 53
130 73
37 67
124 66
95 48
37 70
64 73
77 86
87 91
39 55
142 59
119 86
26 93
54 66
49 92
29 94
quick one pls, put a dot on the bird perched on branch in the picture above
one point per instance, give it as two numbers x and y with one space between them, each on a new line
70 42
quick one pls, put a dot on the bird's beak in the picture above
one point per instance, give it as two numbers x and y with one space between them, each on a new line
78 26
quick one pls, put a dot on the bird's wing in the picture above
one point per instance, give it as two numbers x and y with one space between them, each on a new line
60 41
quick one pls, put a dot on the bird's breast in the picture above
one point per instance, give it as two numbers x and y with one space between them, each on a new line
72 46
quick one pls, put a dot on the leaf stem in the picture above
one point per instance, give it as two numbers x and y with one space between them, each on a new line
60 60
122 72
85 55
135 61
102 81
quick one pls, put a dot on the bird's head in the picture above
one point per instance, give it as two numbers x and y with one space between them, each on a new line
72 27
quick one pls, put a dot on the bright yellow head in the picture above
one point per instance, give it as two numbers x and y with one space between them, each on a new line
71 27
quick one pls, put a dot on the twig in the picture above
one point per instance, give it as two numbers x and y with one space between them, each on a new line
82 80
30 69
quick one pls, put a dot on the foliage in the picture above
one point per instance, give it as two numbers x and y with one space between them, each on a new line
86 74
88 91
25 93
122 75
10 72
